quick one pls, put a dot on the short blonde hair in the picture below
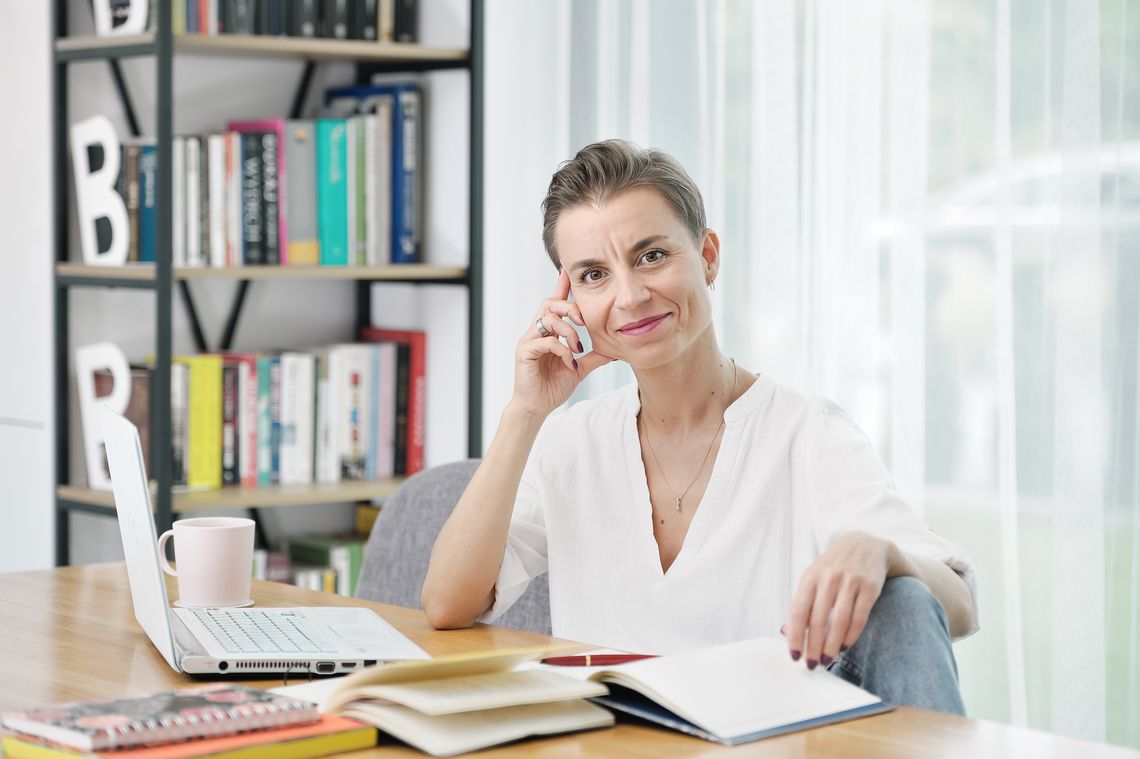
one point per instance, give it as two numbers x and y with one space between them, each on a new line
602 170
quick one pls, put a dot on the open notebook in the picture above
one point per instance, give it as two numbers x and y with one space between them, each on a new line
461 703
733 693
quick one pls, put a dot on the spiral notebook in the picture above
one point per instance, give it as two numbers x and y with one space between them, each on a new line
186 714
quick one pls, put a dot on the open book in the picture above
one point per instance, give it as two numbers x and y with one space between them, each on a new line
733 693
455 704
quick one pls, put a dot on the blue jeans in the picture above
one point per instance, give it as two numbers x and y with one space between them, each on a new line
904 655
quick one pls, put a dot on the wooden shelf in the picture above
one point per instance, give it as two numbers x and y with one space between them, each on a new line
146 272
306 48
244 498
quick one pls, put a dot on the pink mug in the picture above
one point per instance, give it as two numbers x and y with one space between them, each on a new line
215 560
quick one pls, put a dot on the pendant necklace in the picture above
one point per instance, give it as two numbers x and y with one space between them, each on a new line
678 498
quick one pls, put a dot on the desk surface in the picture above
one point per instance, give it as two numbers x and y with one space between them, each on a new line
70 633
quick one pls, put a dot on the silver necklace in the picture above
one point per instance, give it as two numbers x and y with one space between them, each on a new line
678 498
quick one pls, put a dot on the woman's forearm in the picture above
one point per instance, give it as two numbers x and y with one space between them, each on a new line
460 582
946 585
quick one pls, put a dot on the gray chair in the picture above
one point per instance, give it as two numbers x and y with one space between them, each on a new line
396 558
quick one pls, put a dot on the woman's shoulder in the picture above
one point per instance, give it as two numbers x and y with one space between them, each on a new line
798 412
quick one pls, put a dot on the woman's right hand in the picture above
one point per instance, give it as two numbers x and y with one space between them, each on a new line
546 371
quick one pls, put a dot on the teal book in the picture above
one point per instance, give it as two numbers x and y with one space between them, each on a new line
332 191
264 421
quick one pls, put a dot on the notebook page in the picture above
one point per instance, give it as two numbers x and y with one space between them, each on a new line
740 688
488 691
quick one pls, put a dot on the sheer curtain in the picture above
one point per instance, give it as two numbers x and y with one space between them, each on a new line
929 212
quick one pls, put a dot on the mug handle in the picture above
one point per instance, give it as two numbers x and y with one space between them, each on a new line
162 553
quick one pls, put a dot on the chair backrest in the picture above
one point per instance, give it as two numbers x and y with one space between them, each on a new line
399 548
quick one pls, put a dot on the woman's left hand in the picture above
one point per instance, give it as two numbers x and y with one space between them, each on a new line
835 596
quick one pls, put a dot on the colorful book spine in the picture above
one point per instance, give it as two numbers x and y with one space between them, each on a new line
148 205
332 191
264 421
252 214
205 405
298 188
417 390
230 465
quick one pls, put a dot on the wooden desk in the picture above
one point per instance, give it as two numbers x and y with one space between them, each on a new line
71 634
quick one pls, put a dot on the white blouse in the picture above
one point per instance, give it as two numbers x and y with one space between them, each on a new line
791 475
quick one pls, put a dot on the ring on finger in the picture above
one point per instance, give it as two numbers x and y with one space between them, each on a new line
542 330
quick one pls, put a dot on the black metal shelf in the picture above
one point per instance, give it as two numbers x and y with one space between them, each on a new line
161 277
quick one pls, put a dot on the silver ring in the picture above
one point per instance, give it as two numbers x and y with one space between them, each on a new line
542 330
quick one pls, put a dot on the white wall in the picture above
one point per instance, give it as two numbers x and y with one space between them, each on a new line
25 289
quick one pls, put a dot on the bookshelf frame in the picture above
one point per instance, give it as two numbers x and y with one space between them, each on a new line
161 277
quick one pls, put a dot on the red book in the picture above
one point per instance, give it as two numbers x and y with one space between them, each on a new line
417 390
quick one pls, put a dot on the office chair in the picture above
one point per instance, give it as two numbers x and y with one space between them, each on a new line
398 550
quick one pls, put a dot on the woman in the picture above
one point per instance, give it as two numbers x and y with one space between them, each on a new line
705 503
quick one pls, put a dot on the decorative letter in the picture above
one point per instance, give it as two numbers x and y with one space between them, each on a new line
87 360
134 24
95 193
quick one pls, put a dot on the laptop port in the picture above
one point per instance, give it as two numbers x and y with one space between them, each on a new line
369 662
348 664
223 666
325 668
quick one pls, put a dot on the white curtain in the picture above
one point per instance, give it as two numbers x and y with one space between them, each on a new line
930 212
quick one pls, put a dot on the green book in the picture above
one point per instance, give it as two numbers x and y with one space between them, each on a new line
332 191
344 553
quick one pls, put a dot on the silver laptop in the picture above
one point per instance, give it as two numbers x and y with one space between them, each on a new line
323 640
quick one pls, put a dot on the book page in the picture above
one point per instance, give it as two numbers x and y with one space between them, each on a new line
739 688
458 733
488 691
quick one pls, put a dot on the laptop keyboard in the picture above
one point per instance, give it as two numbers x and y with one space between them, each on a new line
245 631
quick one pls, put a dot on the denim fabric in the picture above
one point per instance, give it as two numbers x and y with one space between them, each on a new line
904 655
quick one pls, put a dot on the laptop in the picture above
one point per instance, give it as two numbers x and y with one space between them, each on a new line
226 641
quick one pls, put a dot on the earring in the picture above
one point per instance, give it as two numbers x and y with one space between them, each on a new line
712 284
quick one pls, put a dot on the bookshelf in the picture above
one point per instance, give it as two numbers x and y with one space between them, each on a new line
162 281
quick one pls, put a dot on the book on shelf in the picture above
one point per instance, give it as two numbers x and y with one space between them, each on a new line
332 191
454 704
219 709
416 403
733 693
344 554
329 735
404 127
138 406
298 188
372 20
364 517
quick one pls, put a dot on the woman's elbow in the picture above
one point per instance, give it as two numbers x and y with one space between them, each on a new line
443 614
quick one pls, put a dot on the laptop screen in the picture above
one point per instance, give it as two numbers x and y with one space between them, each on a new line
136 525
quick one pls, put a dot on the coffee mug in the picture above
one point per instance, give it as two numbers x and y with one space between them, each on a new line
215 560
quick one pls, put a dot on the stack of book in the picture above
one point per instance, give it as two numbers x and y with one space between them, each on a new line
353 411
337 191
206 720
381 20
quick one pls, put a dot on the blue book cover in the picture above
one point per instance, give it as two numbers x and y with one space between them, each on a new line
407 205
148 196
192 16
332 191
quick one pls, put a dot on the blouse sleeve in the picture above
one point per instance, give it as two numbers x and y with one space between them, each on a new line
525 554
851 490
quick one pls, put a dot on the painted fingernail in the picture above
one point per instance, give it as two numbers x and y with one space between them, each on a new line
575 362
812 663
580 348
843 649
825 660
795 655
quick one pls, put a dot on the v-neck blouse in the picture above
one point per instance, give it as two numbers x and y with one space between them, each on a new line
792 474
